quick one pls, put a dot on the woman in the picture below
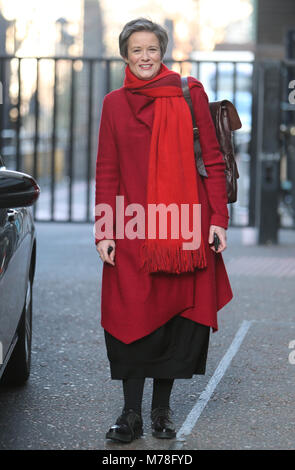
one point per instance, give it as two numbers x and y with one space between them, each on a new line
159 300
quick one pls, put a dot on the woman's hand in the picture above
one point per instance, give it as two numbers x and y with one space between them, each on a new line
102 248
221 232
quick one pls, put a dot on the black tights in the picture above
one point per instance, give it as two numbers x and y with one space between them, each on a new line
133 392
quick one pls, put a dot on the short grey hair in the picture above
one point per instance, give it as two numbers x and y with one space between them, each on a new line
142 24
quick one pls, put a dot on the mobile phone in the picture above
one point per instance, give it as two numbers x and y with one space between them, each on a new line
216 241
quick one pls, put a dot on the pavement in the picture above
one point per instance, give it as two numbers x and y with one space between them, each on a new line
70 400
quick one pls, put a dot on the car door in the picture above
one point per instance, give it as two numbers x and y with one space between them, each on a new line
13 262
4 247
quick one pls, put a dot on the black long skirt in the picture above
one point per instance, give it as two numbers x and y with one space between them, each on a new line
177 349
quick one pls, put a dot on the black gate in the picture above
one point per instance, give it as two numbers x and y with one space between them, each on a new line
272 149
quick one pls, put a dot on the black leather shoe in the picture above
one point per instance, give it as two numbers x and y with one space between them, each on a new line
127 428
162 425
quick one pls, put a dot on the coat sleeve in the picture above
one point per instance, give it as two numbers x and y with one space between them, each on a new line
107 173
215 184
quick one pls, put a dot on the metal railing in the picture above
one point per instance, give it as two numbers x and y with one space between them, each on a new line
50 115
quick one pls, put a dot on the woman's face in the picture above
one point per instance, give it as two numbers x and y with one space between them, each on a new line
144 54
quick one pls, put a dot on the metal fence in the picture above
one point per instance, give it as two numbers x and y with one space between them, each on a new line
49 124
272 149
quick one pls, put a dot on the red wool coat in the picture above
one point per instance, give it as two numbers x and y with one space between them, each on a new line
134 303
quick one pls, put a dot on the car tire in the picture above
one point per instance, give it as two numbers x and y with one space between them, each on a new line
18 368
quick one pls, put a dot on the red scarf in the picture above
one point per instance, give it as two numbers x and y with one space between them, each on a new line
172 171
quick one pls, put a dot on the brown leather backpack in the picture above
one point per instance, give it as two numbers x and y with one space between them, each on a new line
226 120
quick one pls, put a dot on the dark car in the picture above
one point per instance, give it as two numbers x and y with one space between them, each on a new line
18 191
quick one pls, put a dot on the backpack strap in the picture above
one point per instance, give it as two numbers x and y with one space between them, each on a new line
198 152
226 119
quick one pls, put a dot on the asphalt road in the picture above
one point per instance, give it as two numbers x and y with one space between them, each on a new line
70 400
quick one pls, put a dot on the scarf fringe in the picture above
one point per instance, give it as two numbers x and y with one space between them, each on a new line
155 258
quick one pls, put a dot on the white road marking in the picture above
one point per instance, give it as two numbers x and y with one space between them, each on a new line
205 396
